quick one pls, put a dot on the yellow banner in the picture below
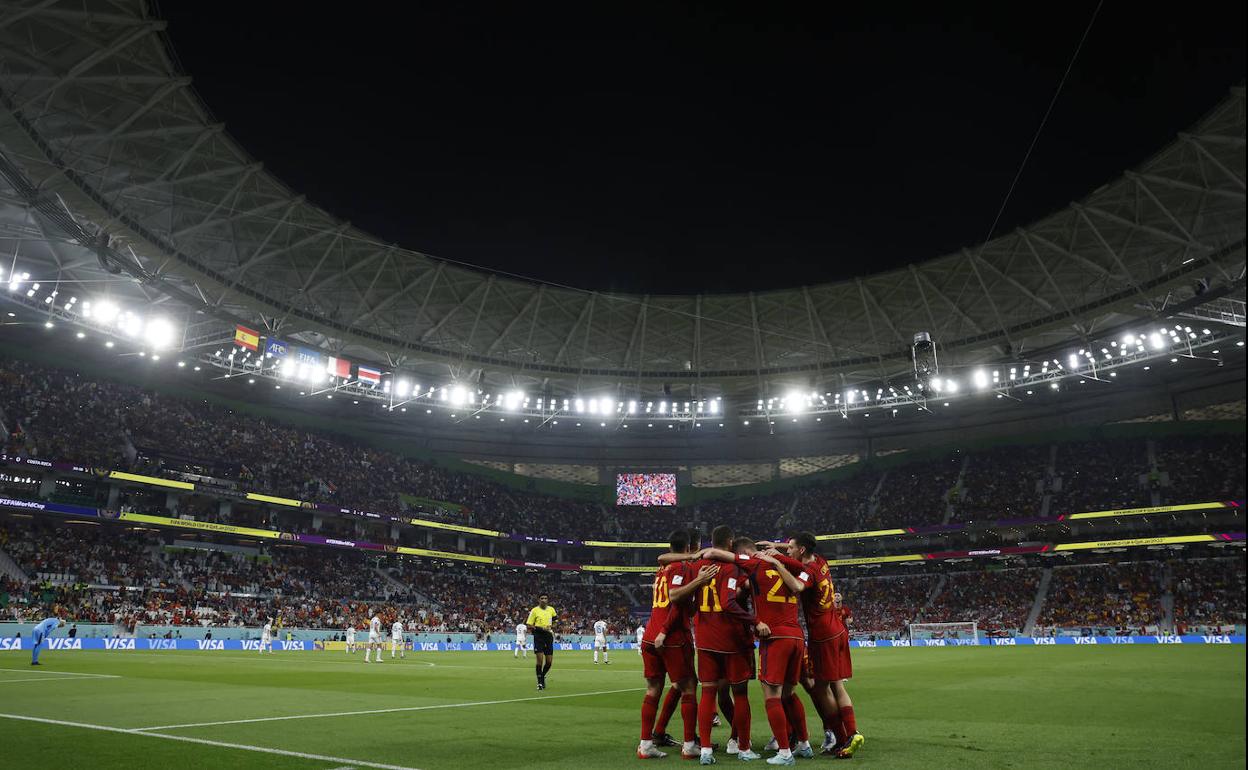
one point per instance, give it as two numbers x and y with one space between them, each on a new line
455 528
447 555
1134 542
1145 511
875 560
275 500
605 568
206 526
123 476
614 544
854 535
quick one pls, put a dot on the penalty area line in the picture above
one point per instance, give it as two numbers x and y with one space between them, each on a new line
340 761
384 711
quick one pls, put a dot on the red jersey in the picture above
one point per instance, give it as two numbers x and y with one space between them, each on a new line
666 617
822 619
774 603
721 624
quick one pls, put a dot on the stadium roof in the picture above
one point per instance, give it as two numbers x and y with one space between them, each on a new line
114 175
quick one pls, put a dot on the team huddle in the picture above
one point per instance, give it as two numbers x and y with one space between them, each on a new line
717 601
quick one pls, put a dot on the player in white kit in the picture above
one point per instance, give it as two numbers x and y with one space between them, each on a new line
266 636
374 639
396 639
641 631
600 642
520 649
351 639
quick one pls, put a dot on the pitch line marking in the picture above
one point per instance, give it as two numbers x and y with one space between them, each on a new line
61 673
383 711
340 761
52 678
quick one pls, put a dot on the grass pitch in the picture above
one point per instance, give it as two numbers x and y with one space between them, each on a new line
1163 706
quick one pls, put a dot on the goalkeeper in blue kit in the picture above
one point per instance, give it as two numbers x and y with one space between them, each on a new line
42 631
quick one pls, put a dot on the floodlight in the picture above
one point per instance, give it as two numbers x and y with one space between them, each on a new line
981 378
159 333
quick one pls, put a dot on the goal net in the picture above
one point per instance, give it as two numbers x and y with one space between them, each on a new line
964 630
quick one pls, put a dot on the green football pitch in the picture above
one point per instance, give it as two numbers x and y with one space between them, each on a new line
939 707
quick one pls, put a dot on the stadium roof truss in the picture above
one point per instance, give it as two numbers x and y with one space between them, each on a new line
116 178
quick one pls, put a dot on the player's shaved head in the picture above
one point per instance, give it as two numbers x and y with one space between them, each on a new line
721 536
678 541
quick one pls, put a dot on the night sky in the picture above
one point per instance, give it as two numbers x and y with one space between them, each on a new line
675 148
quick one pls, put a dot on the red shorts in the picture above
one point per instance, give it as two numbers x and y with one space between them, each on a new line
825 660
844 663
675 662
781 660
736 667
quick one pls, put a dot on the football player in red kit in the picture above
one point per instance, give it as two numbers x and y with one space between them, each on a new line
667 650
781 647
829 645
724 636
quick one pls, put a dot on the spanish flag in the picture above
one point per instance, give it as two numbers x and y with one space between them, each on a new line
247 338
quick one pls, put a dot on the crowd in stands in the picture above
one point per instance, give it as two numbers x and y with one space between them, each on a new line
997 600
1101 475
1006 483
884 606
131 579
62 415
1123 597
1208 593
1202 468
919 493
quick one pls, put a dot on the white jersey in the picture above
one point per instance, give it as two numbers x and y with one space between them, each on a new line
374 628
641 631
267 631
397 630
351 634
600 630
521 630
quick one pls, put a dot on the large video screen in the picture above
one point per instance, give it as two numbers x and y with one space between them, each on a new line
645 489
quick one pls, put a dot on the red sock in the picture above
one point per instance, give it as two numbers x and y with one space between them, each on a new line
689 715
706 712
669 708
741 720
833 723
847 718
779 724
649 705
795 712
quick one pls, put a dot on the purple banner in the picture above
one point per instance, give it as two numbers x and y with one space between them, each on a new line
33 462
339 542
542 540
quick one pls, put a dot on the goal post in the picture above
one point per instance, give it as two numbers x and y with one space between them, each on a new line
968 629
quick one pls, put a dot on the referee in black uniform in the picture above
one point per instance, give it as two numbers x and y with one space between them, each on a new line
541 620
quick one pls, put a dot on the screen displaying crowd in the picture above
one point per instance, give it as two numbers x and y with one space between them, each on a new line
645 489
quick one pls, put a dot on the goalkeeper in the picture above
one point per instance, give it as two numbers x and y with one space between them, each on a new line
39 634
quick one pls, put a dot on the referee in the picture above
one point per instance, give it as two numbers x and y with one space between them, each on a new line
541 620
